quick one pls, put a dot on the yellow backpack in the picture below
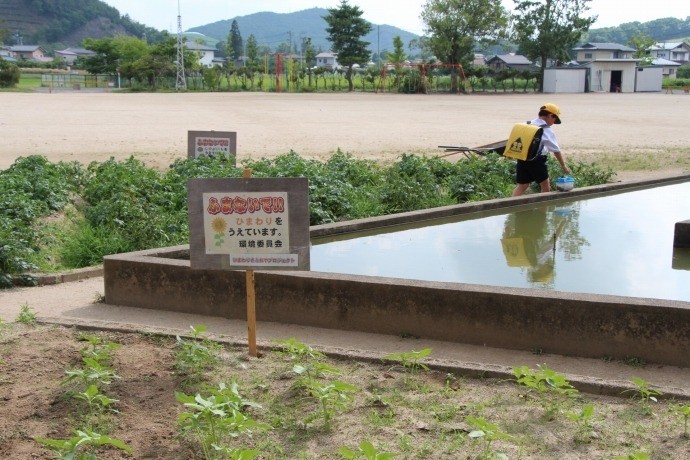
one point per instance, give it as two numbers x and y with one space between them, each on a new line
524 141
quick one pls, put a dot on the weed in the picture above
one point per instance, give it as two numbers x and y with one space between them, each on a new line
410 360
331 396
99 298
81 442
214 419
98 349
583 434
633 456
645 394
365 450
486 433
196 356
298 351
26 315
94 373
633 361
546 382
684 410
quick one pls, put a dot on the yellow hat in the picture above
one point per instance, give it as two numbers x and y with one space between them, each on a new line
552 108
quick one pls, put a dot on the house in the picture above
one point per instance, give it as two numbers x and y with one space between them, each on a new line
30 53
479 59
611 67
600 51
69 55
206 54
327 60
510 61
673 51
669 68
6 54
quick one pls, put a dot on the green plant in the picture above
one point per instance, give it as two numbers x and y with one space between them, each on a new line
308 364
215 418
78 447
634 456
26 315
93 373
298 351
98 349
546 382
411 360
583 419
684 410
487 433
366 450
196 356
96 401
331 396
645 394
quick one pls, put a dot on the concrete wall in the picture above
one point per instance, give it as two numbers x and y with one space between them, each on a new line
526 319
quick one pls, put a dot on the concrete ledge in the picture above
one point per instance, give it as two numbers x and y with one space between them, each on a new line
72 275
584 325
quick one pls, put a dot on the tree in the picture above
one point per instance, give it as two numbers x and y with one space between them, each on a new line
105 59
345 29
550 29
642 44
455 26
9 74
252 65
235 47
397 58
309 56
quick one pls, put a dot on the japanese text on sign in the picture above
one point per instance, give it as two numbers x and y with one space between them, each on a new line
211 145
250 223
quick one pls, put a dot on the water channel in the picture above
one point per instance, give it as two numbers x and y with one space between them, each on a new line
616 244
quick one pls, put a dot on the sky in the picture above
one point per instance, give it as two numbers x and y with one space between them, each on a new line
162 14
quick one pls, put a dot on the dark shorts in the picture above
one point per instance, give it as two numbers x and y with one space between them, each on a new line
532 171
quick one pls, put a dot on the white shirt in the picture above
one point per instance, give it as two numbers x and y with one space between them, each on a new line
548 138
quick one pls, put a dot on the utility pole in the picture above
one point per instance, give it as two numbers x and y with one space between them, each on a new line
181 81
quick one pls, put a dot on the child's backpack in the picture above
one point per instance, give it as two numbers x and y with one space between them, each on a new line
524 141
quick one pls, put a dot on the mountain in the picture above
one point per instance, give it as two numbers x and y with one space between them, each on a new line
58 23
274 29
664 29
55 24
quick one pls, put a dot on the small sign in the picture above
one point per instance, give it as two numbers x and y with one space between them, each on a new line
200 143
246 224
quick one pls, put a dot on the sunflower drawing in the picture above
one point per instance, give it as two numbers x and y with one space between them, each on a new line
219 226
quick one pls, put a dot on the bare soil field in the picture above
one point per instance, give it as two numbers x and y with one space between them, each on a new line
639 131
414 414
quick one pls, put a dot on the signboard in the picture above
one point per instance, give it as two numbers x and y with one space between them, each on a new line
249 224
200 143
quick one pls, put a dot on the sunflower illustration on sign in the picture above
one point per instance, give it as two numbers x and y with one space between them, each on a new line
219 226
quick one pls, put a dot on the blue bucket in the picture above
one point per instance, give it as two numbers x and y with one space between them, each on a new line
564 184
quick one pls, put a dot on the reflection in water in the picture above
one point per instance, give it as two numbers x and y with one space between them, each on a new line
618 244
529 241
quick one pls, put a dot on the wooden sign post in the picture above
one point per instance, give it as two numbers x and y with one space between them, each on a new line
251 299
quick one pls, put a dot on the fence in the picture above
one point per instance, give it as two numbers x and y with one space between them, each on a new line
78 81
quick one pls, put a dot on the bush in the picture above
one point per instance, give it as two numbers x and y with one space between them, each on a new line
9 74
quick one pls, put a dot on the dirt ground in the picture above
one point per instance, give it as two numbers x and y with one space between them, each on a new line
84 127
